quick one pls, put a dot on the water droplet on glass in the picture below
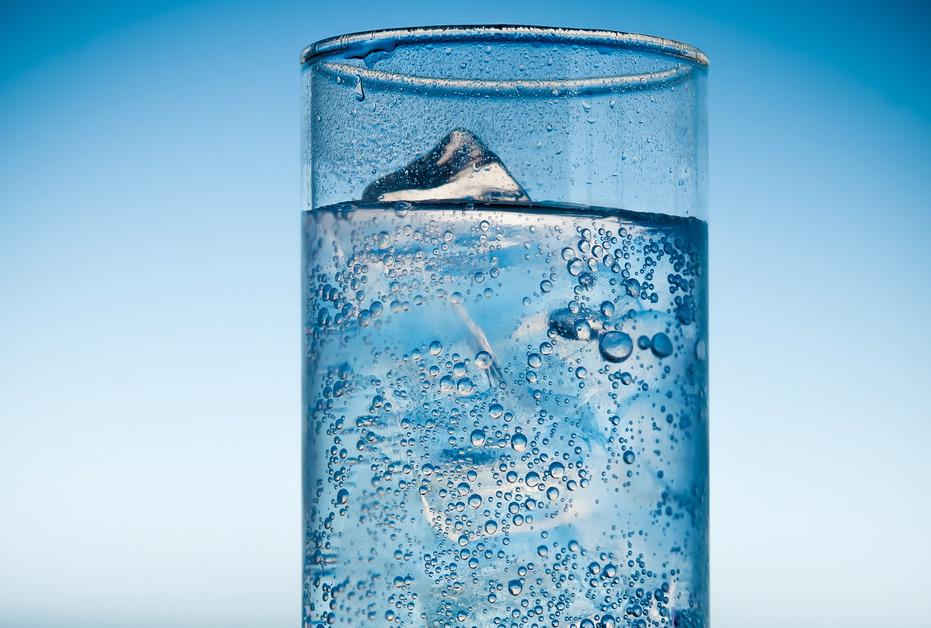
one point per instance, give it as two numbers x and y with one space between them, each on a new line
478 438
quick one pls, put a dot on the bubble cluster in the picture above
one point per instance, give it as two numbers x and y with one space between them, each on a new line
505 417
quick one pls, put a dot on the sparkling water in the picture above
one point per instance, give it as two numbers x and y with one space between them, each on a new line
505 416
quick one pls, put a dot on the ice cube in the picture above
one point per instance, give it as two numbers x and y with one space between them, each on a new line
460 167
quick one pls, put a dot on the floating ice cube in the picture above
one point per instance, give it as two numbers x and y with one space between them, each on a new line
460 167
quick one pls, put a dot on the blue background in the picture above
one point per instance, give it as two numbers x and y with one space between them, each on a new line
149 310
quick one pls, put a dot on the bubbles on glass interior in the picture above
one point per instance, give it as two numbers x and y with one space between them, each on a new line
526 449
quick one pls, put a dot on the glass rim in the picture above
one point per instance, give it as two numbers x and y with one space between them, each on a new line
358 45
366 41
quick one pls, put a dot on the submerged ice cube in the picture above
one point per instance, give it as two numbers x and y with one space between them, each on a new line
460 167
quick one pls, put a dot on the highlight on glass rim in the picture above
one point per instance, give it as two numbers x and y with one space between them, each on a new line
504 289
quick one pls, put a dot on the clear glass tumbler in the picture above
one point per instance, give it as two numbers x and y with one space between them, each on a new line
505 329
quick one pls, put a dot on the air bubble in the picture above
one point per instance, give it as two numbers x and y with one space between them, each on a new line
582 329
615 346
661 345
557 469
518 442
483 360
446 384
464 386
574 323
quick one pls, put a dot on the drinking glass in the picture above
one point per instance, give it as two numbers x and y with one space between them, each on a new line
505 329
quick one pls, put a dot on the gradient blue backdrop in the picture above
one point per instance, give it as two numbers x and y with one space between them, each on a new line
149 324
